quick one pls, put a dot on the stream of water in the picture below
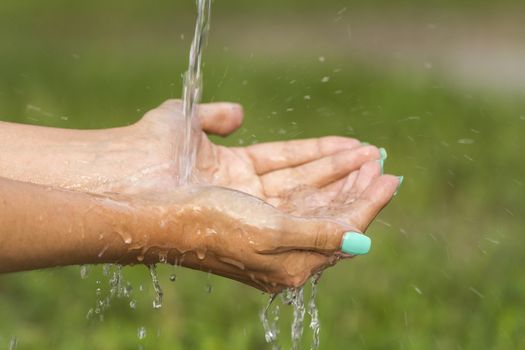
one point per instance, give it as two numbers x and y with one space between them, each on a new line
192 90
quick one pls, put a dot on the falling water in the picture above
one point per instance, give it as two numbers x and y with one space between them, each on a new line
271 331
192 89
298 317
157 301
313 312
294 297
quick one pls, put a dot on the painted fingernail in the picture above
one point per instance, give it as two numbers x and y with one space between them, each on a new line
382 164
383 153
400 178
355 243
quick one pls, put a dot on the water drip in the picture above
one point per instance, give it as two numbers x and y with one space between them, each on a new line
157 301
84 272
141 333
271 331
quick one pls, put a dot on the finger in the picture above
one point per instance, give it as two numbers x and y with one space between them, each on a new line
368 173
317 235
318 173
220 118
278 155
338 190
374 198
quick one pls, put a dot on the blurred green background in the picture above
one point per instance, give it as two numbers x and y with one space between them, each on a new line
439 84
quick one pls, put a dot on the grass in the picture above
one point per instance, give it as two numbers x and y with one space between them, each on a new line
445 269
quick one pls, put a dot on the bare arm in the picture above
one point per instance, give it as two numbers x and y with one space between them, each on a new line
72 159
211 229
43 227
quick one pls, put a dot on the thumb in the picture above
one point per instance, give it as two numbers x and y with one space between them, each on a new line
220 118
324 236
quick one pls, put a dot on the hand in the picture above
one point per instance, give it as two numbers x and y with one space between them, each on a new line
274 172
238 236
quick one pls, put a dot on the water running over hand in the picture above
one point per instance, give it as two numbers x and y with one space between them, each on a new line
192 90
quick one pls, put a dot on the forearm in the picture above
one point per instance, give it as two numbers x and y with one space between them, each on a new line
42 227
72 159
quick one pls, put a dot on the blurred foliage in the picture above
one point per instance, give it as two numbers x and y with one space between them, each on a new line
445 269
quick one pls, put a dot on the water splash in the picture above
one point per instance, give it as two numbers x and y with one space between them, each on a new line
157 301
192 88
117 287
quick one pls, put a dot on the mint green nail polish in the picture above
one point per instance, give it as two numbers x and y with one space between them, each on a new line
401 178
382 164
355 243
383 153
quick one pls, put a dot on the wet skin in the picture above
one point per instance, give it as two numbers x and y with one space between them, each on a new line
268 215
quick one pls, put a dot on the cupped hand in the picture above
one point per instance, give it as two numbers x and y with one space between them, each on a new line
269 215
235 235
274 171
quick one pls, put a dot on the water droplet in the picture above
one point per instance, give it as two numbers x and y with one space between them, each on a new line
84 272
89 314
466 141
173 277
141 334
321 59
325 79
133 304
416 288
201 254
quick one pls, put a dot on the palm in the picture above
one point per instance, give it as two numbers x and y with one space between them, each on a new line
332 176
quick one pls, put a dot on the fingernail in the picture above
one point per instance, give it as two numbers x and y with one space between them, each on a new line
400 178
382 164
355 243
383 153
